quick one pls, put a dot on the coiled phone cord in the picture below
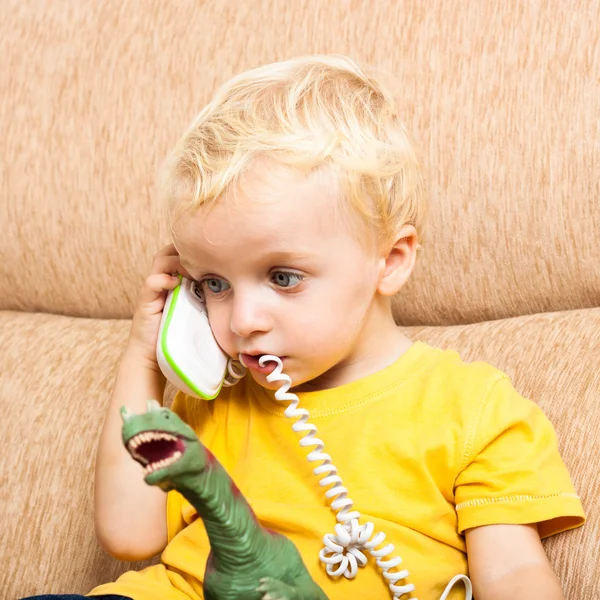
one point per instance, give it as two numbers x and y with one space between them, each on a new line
343 551
235 371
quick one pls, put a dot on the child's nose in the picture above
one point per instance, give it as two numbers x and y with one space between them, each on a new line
249 315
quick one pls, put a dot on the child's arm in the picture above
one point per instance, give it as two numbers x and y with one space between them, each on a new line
130 516
509 561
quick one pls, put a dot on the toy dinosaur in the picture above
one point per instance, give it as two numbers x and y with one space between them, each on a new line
247 561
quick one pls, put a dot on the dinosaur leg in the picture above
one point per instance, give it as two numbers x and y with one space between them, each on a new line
274 589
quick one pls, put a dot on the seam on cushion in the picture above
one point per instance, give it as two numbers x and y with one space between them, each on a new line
512 499
474 429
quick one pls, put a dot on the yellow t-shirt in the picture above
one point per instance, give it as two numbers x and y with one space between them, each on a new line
427 447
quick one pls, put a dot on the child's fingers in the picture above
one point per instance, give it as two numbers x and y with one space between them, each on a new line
167 261
162 281
155 285
166 264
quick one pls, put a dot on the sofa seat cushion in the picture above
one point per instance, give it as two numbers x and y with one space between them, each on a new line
56 375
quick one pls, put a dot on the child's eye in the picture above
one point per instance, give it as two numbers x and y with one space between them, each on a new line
286 279
215 285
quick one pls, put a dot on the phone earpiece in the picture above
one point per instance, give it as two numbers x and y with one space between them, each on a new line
197 291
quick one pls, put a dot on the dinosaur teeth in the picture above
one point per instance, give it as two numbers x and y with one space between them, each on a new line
149 436
161 464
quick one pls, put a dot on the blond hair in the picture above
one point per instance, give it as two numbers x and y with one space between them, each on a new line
312 112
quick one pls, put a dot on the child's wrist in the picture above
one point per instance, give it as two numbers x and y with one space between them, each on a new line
137 356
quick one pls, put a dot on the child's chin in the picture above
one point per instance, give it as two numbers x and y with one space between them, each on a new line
261 379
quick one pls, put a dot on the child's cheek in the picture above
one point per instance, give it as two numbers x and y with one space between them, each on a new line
220 328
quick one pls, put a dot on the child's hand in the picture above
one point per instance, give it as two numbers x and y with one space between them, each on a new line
130 517
151 301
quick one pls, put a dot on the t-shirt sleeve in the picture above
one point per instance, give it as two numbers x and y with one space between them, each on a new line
513 472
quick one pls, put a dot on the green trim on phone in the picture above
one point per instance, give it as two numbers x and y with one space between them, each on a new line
167 355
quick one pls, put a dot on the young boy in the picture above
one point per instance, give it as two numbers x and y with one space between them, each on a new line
296 200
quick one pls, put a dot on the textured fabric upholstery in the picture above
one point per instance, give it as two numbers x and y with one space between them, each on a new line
502 99
57 372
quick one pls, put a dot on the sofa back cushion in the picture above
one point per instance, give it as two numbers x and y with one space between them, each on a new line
502 99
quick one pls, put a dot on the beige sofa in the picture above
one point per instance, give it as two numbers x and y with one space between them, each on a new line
503 99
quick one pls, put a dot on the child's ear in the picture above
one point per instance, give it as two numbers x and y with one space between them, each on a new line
398 261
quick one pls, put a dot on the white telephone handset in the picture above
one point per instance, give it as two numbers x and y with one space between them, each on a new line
186 349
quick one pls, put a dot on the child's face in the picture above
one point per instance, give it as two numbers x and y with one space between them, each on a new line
283 274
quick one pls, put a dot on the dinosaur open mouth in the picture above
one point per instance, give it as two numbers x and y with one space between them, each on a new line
155 449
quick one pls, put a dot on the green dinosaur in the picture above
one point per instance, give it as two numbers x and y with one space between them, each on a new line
247 561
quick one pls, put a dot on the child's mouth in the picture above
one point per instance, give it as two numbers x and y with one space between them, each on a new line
251 362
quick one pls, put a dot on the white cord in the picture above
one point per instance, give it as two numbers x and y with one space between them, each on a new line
235 371
343 551
467 583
